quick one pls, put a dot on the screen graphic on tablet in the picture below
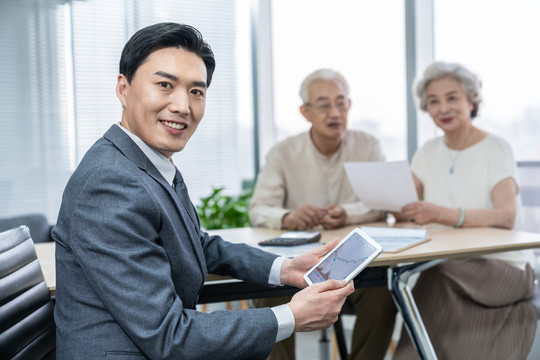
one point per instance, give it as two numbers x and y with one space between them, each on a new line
353 254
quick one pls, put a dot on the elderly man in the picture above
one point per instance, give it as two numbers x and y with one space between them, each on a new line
303 185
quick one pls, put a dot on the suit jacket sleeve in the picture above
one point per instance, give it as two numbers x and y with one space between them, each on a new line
115 230
240 261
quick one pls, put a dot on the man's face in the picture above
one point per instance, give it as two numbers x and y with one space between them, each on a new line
327 109
165 101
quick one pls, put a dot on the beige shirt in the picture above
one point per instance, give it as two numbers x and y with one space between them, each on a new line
296 174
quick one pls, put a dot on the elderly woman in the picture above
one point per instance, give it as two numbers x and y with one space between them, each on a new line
475 308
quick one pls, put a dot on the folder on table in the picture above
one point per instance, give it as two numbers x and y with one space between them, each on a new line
396 239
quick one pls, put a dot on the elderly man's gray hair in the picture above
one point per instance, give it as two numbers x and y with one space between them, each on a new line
321 74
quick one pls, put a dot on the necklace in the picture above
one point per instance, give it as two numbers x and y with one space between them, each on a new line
453 159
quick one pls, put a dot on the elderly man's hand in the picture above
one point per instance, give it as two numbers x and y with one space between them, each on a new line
305 217
335 217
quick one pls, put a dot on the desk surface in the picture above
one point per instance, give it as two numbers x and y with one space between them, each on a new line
445 242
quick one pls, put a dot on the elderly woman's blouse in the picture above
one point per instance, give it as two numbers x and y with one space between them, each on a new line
466 178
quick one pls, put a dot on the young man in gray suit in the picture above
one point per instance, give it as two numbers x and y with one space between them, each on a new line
131 258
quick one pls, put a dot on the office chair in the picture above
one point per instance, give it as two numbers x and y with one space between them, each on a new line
27 329
37 223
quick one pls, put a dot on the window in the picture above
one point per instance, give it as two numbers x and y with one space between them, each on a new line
497 40
365 41
34 141
58 97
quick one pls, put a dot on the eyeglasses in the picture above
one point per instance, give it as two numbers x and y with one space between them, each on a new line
325 108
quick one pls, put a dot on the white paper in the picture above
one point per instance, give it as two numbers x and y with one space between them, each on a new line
382 185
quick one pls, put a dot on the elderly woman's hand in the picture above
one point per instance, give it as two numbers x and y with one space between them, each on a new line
421 212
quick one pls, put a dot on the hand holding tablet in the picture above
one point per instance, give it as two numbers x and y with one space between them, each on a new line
356 251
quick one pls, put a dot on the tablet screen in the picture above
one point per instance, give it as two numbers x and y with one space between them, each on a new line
346 260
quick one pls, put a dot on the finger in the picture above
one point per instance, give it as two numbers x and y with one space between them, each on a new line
312 217
305 224
329 285
409 214
317 212
305 218
328 209
350 287
323 250
345 291
331 222
408 207
312 222
308 209
295 220
300 222
335 211
341 294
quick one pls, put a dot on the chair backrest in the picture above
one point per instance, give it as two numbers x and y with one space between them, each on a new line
27 329
528 175
40 229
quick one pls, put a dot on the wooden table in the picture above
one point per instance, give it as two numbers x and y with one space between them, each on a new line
445 243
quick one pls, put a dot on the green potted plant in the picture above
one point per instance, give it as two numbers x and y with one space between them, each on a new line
219 211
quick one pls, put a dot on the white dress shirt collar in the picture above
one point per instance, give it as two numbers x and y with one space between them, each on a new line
160 161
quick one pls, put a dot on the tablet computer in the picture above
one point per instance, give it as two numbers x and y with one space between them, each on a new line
346 260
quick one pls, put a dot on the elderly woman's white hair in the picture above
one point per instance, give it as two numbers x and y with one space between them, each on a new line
321 74
471 83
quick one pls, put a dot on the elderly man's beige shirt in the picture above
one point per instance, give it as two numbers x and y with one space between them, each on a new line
296 173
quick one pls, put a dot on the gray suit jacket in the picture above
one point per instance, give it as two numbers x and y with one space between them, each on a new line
130 264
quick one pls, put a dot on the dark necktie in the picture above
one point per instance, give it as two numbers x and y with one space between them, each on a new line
181 191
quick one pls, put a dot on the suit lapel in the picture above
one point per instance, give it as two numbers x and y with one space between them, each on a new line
192 231
133 153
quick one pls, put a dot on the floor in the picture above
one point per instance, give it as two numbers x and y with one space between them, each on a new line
308 347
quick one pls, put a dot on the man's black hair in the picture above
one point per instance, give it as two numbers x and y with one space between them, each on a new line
160 36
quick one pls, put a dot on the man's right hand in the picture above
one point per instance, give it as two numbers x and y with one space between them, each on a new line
318 306
305 217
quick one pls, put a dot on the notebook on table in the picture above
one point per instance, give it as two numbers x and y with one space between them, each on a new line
396 239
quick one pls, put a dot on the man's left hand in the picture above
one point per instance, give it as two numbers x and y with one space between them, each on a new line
293 270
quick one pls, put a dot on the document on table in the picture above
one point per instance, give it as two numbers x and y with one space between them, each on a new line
382 185
396 239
